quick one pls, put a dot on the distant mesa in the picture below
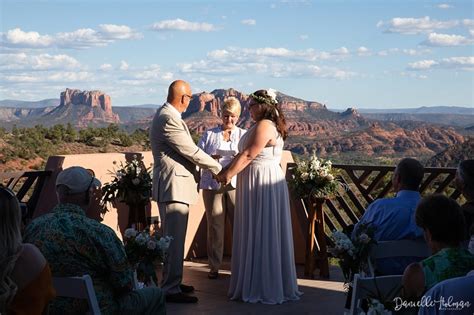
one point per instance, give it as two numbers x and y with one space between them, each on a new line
351 112
89 98
83 108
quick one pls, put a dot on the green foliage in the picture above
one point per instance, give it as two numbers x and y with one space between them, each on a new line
40 141
125 140
131 183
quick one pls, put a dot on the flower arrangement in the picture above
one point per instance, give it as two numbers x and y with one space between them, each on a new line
144 251
131 183
352 253
375 307
315 178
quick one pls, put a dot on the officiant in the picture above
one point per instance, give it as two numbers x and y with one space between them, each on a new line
221 143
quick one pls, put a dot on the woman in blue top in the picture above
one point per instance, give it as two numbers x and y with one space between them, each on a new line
221 143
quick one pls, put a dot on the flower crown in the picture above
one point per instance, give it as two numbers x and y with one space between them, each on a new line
269 99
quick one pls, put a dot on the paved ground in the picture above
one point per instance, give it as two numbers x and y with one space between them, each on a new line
320 296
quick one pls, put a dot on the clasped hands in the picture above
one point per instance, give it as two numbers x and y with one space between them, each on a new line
223 177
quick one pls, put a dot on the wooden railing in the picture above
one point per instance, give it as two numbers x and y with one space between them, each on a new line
367 183
27 186
364 184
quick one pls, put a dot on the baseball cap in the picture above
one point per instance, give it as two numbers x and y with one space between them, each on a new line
77 179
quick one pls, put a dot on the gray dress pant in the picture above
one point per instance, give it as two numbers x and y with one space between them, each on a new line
174 222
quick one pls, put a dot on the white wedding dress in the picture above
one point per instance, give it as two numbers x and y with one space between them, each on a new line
263 264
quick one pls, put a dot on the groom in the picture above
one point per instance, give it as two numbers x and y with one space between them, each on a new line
175 178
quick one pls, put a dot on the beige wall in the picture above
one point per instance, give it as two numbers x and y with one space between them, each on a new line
101 164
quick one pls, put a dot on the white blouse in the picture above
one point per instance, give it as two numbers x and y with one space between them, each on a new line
212 141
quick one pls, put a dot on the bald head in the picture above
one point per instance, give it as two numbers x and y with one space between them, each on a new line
179 95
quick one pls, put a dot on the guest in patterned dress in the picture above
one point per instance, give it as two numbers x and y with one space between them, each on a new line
220 201
25 277
443 224
76 245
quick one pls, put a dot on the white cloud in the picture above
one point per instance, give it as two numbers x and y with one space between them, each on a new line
69 76
341 51
48 62
464 63
435 39
405 51
78 39
459 63
444 6
49 76
182 25
304 37
415 25
274 62
218 54
113 31
471 32
422 65
18 38
363 51
124 65
106 67
468 22
260 55
23 61
249 22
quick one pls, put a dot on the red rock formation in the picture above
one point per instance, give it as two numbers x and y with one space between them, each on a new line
99 104
89 98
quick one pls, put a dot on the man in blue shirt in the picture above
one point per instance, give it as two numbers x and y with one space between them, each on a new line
394 218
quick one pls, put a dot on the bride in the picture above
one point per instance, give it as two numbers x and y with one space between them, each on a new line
263 265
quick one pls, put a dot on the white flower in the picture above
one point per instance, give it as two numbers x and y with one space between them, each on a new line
272 94
136 181
304 176
140 239
330 177
151 244
130 232
164 242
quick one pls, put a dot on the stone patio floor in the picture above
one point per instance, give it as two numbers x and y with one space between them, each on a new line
321 296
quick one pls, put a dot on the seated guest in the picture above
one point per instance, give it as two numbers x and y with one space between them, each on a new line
460 289
76 245
394 218
443 224
25 277
465 183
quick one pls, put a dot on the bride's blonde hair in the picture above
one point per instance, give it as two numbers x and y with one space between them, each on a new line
10 245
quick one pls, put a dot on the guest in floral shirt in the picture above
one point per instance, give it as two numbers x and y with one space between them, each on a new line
75 245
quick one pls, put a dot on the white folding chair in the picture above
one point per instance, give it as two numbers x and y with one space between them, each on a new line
400 248
78 288
385 288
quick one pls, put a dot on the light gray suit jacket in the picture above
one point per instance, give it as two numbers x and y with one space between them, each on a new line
175 175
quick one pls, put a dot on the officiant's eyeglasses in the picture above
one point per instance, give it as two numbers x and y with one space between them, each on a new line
190 96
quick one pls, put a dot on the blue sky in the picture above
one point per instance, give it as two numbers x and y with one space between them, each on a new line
363 54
